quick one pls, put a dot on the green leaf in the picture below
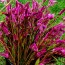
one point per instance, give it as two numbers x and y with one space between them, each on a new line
37 61
63 36
61 61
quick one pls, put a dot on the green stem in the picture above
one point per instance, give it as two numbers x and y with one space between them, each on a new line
18 53
30 59
18 44
5 45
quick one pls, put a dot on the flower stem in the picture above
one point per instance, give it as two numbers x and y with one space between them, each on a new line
2 41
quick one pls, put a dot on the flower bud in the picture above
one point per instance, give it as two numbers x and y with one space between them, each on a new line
50 16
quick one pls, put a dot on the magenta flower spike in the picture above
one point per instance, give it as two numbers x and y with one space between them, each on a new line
5 29
51 2
45 61
34 47
13 18
60 41
54 32
35 6
41 53
62 11
41 26
4 54
59 50
41 64
15 37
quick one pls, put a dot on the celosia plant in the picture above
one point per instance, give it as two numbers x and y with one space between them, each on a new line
27 34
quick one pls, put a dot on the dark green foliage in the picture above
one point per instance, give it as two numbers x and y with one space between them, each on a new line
60 61
2 59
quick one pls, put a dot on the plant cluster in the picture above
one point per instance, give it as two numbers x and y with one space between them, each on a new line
28 36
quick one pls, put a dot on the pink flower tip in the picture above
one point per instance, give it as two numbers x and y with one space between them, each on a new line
41 64
5 54
64 18
34 47
2 1
50 16
52 2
